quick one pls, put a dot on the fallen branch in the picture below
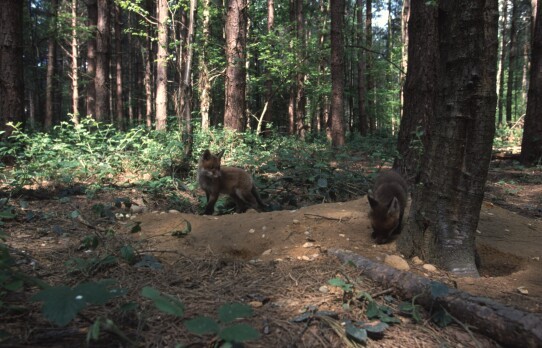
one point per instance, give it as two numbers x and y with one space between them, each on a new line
508 326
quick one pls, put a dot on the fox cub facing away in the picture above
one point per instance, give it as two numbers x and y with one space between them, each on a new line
388 201
237 183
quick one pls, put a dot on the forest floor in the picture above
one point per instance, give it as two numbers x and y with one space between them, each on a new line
274 261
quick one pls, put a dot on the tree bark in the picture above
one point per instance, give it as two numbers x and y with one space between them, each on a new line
508 326
235 84
419 91
92 12
502 60
300 98
51 61
337 73
511 83
11 65
371 106
268 98
102 61
75 64
204 78
445 207
161 66
118 67
531 146
405 16
363 122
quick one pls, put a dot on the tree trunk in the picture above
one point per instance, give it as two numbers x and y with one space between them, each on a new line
445 207
371 106
419 90
75 64
405 16
11 65
510 84
118 68
363 122
502 60
148 58
132 74
204 78
235 84
300 98
161 66
187 84
268 99
337 73
506 325
102 61
51 60
92 12
531 146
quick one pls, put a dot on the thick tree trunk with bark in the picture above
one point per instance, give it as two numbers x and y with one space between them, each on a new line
405 17
337 73
51 61
502 60
419 90
445 207
102 61
531 146
75 64
236 42
161 66
511 82
300 98
11 65
92 13
508 326
268 99
371 105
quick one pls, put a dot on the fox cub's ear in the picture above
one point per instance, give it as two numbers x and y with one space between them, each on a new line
206 155
394 208
219 155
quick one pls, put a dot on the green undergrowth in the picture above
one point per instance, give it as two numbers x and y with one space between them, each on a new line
96 156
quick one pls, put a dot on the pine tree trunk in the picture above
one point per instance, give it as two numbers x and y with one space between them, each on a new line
510 84
236 40
446 205
11 66
337 73
92 12
371 105
161 66
419 89
531 146
405 16
75 64
51 60
268 98
204 81
363 122
148 58
118 67
300 98
102 61
502 60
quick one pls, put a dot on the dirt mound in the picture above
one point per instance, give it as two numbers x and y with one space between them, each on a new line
510 245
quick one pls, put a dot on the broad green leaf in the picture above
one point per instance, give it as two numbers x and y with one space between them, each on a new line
60 304
14 286
94 331
97 293
127 253
239 333
372 310
202 326
74 214
441 317
336 282
231 311
166 304
357 334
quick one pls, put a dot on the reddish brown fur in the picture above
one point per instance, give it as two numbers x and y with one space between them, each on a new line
388 201
215 179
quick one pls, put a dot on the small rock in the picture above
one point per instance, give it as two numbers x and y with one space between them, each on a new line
416 260
305 258
341 235
396 262
137 209
307 233
255 304
536 258
324 289
429 267
523 290
295 221
251 230
267 252
308 245
264 228
173 211
263 235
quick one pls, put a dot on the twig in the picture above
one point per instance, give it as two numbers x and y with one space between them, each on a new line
323 217
383 292
295 280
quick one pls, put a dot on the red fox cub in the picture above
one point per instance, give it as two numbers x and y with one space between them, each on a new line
388 201
235 182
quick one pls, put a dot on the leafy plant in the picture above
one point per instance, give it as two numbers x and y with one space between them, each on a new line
61 304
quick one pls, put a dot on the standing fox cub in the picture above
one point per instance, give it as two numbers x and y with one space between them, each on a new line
235 182
388 201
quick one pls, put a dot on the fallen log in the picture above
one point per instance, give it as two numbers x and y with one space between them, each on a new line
507 325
